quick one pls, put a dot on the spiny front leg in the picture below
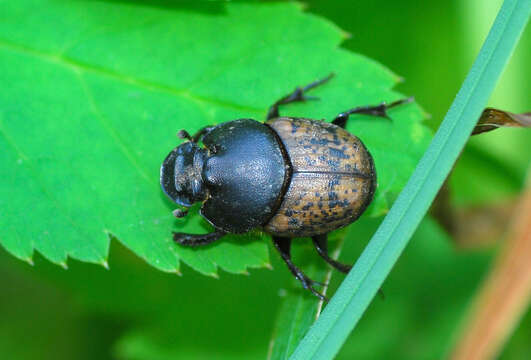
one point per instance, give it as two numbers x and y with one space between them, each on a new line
376 110
197 239
283 245
296 96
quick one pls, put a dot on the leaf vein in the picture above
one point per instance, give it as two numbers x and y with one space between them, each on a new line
145 84
124 148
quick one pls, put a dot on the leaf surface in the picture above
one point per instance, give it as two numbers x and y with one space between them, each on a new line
94 92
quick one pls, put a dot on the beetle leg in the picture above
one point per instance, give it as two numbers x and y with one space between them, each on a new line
201 132
376 110
321 245
178 213
197 239
183 134
283 245
295 96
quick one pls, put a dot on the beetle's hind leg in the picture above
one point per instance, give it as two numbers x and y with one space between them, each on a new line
283 245
297 95
321 245
375 110
197 240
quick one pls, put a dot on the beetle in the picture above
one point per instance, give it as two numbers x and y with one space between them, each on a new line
291 177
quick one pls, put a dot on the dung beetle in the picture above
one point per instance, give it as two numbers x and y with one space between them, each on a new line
291 177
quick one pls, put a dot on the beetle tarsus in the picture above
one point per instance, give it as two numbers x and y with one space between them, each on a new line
373 110
321 245
296 96
283 245
318 82
178 213
197 240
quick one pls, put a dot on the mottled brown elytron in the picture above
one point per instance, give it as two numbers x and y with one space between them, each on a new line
332 180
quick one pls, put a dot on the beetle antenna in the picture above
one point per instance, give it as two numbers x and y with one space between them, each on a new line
183 134
178 213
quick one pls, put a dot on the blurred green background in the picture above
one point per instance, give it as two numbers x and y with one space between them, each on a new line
133 311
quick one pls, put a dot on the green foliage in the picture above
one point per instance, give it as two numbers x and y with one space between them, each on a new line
98 90
134 311
327 335
434 53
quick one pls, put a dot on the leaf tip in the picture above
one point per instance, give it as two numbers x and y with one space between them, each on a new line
63 264
105 264
177 272
301 5
29 260
212 274
345 34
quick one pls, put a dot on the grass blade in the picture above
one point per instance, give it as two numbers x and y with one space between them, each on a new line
326 336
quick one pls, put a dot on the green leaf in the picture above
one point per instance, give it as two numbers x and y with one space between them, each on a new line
142 313
492 168
97 90
326 336
426 296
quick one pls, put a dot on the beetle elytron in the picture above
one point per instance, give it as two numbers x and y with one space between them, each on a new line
291 177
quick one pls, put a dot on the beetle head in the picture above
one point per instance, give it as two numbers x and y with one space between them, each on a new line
180 174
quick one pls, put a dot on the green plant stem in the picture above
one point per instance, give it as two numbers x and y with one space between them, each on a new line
326 336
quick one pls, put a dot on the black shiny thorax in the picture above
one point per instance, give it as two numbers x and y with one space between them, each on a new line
244 174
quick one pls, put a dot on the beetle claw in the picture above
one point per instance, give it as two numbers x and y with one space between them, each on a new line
297 95
313 282
308 284
316 293
319 295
